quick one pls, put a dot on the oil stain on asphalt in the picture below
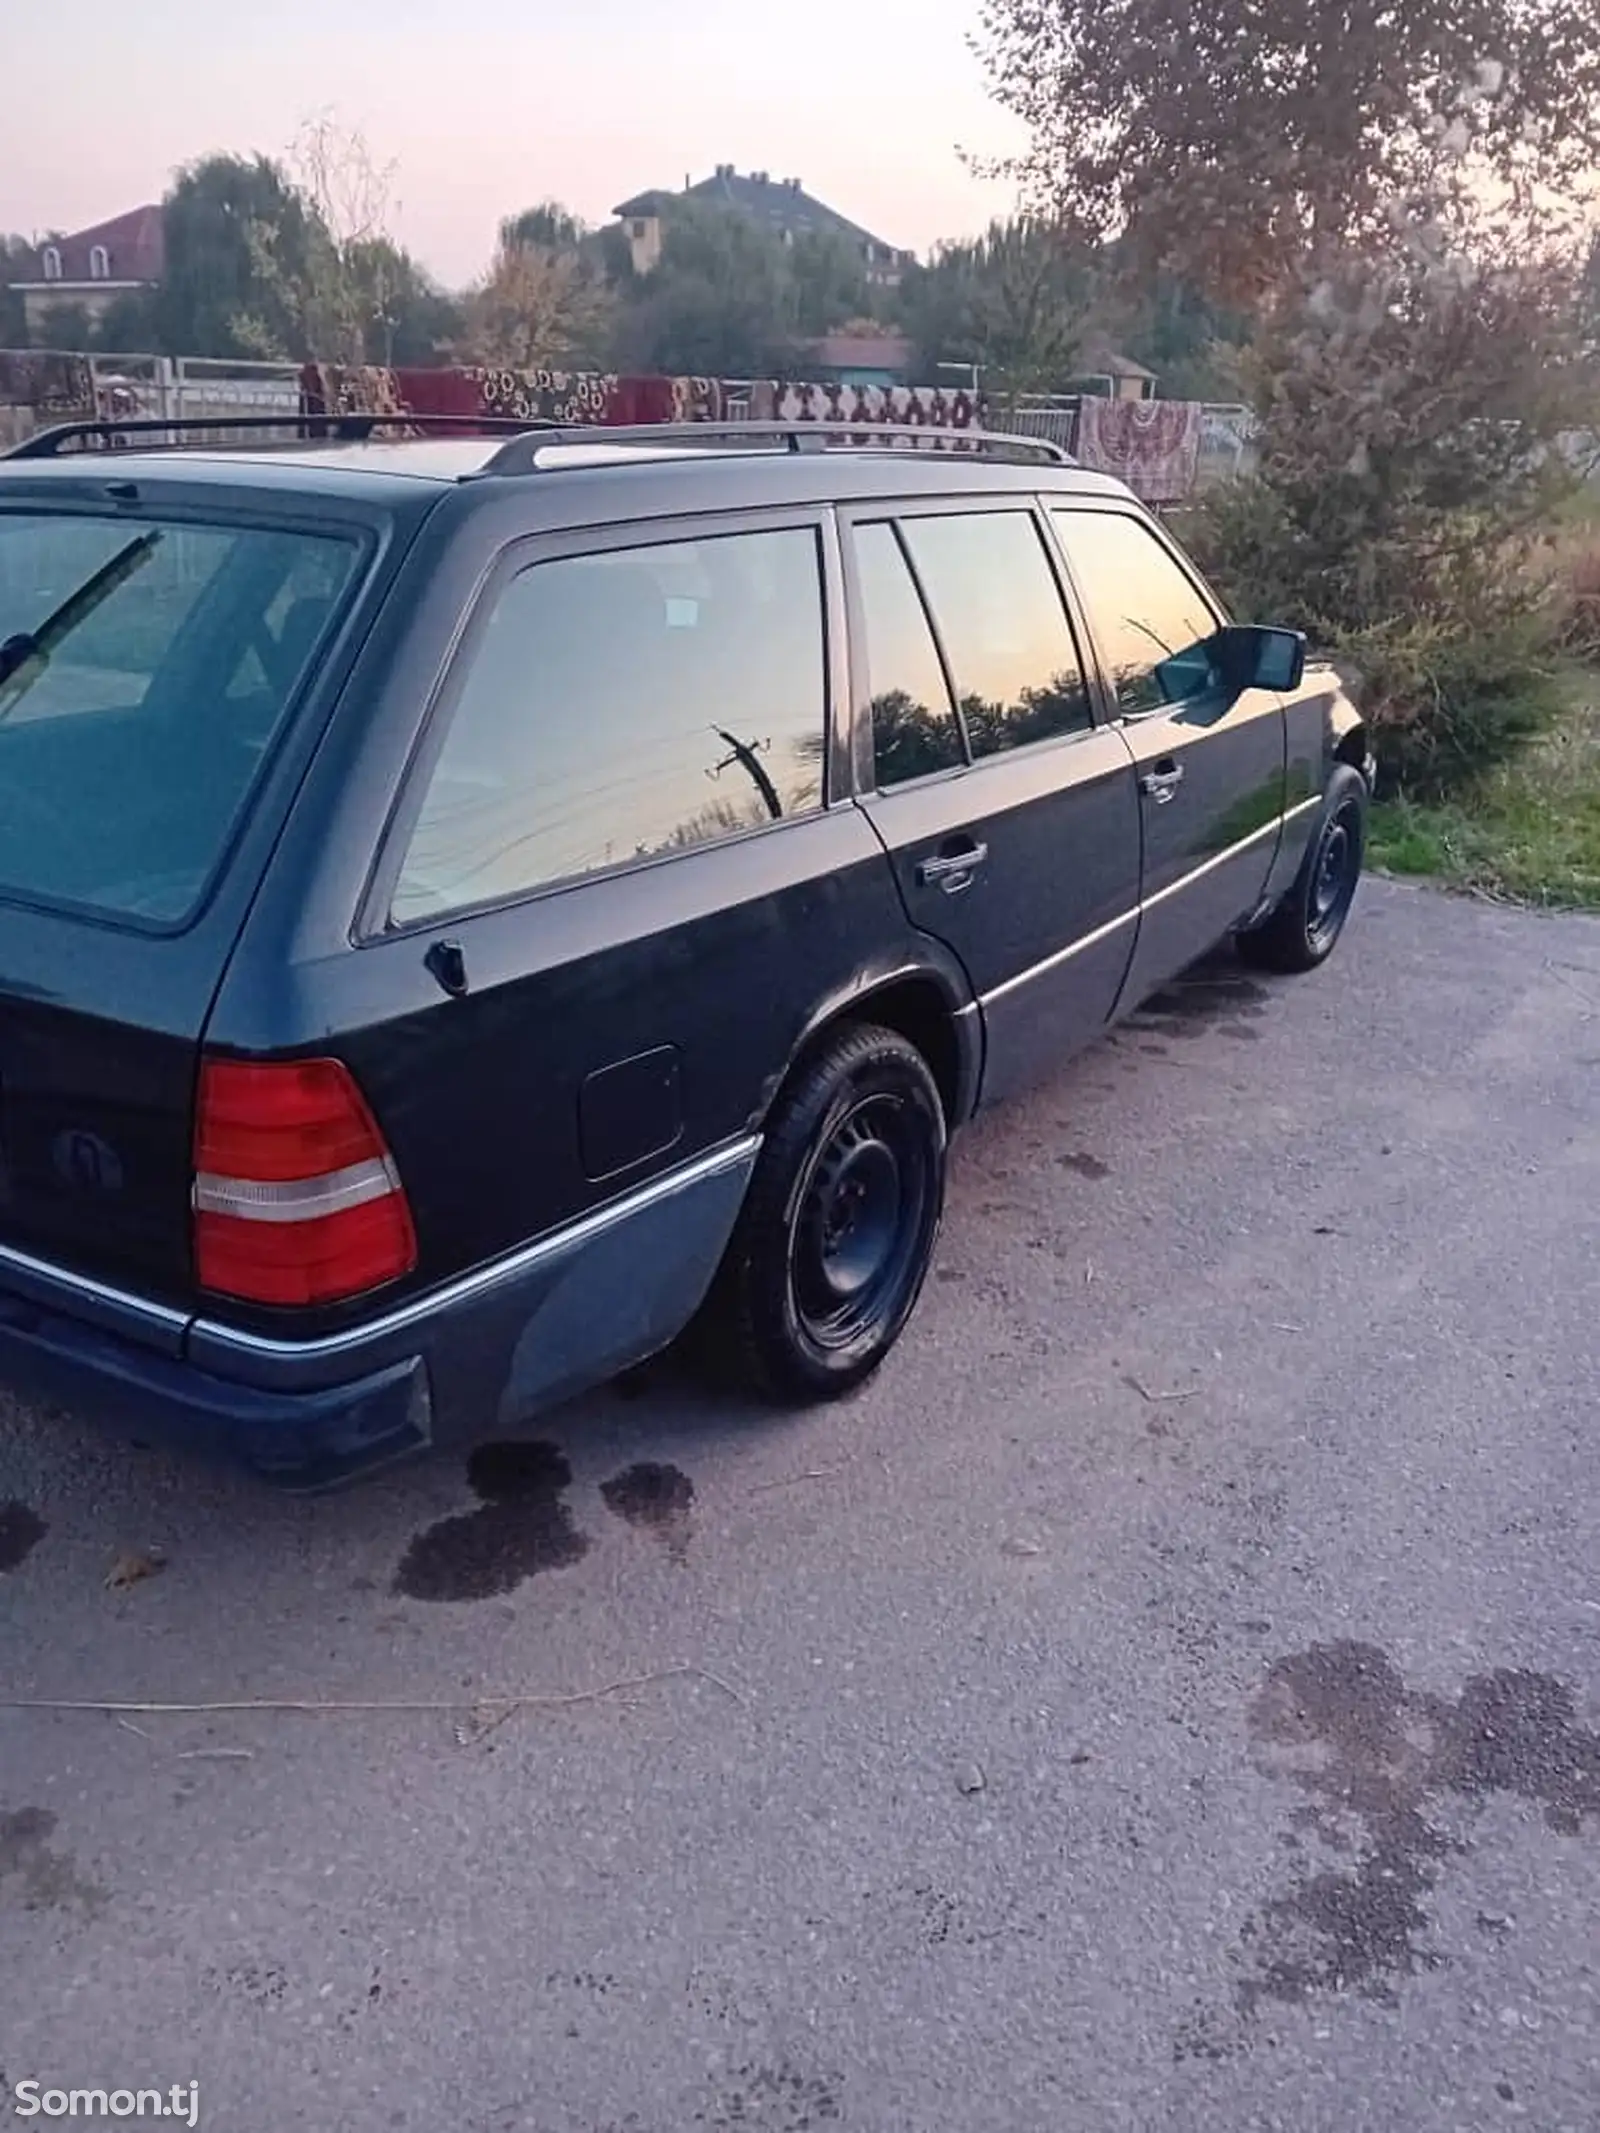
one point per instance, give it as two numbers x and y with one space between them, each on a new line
46 1880
1208 997
20 1531
1371 1755
1087 1166
657 1499
522 1527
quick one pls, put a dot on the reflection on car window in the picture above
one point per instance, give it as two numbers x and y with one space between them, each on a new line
914 730
625 705
1003 626
1154 628
131 730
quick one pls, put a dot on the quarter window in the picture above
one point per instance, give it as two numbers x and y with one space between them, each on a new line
999 614
1155 629
622 706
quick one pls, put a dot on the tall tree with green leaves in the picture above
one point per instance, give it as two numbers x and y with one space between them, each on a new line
546 299
1016 303
721 302
1228 141
223 217
16 263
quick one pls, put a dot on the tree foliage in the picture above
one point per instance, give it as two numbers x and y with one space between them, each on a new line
1017 302
16 262
545 299
1227 140
730 298
294 260
716 304
1413 458
238 246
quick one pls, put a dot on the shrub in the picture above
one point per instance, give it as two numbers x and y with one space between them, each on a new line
1408 478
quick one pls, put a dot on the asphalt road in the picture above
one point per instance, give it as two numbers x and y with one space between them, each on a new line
1169 1697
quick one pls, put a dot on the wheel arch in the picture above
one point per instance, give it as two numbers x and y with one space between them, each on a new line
926 1002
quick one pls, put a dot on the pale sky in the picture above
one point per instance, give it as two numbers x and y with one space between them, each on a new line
490 105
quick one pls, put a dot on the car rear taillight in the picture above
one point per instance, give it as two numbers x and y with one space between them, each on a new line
296 1197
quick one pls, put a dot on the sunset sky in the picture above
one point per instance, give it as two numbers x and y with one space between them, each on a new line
490 106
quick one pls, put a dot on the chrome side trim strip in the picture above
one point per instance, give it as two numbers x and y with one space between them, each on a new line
1147 903
1062 955
1273 828
484 1280
43 1270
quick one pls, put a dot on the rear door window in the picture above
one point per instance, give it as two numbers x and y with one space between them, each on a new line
1154 627
1004 628
621 706
145 669
914 729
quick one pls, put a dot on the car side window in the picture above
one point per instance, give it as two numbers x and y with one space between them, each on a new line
1000 616
1155 630
914 729
621 706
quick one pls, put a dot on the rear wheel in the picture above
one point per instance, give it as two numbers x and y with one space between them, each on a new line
839 1224
1303 930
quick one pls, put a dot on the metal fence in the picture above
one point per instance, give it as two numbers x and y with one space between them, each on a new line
169 388
192 388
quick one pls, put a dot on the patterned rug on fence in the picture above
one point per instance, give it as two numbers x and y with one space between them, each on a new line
1152 445
462 394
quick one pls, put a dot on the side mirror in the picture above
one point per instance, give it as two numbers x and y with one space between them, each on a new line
1254 658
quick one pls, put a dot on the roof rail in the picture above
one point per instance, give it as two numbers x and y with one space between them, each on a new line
339 428
520 455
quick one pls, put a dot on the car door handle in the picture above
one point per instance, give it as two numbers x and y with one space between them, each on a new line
1162 783
952 871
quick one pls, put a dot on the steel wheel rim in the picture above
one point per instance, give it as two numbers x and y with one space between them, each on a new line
1334 877
860 1222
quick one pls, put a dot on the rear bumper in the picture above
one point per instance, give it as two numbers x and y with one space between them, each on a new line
300 1440
485 1351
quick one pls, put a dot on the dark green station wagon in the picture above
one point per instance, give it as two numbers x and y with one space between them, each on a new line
473 908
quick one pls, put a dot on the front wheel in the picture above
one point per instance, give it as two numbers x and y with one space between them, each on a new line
1304 928
840 1222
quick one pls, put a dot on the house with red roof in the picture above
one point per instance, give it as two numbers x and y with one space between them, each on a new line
94 266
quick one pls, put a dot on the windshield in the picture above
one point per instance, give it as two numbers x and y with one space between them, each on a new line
145 670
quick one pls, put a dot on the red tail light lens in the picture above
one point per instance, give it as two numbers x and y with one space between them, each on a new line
296 1198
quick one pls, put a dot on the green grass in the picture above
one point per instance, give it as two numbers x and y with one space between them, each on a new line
1529 832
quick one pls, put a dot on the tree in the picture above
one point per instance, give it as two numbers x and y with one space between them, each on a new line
1228 140
828 283
548 224
16 263
1016 302
399 313
224 217
65 326
730 297
720 302
129 324
545 299
1411 470
1193 344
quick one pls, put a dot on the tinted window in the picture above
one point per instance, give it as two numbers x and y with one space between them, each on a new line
625 705
998 609
144 670
914 729
1153 626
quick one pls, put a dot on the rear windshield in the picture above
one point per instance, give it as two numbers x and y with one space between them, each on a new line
145 670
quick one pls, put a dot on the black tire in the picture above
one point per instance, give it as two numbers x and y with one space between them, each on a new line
839 1224
1303 930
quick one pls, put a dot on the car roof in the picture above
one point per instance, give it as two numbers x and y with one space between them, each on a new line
574 478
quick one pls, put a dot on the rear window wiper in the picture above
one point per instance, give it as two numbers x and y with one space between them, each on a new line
28 646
